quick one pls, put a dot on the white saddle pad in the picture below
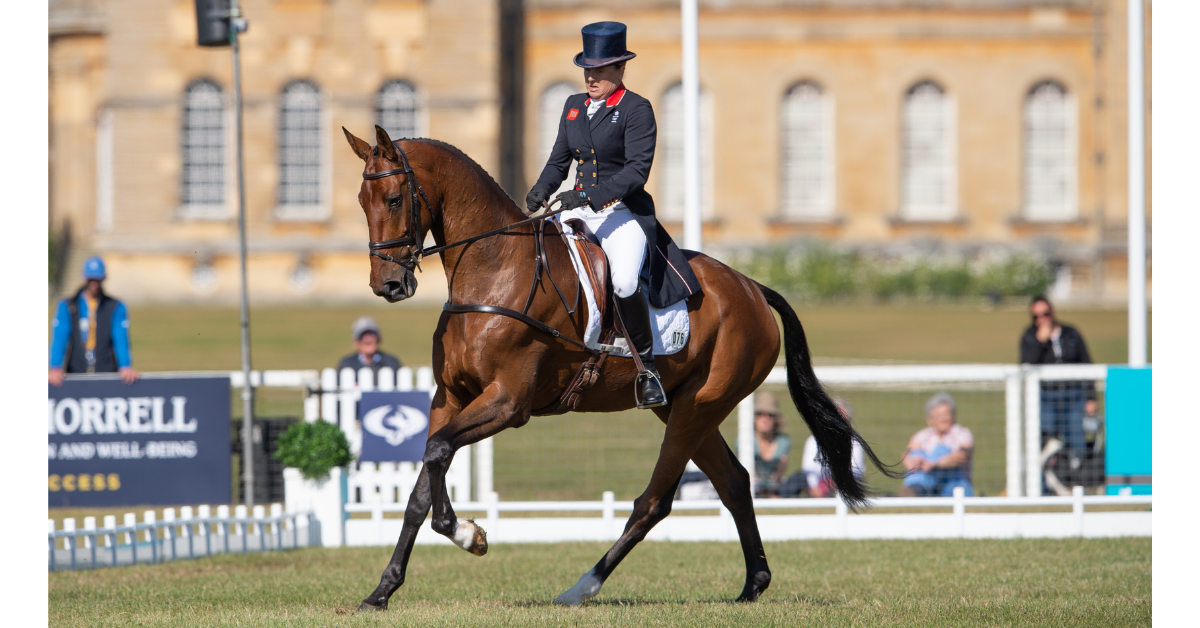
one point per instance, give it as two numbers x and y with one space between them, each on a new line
671 324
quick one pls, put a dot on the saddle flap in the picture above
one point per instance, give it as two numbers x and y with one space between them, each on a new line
596 266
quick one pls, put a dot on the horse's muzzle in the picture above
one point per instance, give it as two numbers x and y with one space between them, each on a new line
398 288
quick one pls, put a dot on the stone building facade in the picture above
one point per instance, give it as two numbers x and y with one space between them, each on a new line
869 123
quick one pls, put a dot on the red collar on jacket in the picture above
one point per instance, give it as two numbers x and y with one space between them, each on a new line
612 100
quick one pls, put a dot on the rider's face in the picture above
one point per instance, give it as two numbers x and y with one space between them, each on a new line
602 82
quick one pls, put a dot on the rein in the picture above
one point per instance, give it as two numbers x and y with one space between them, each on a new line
415 189
414 259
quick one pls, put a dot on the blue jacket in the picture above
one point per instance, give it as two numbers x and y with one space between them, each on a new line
70 334
613 152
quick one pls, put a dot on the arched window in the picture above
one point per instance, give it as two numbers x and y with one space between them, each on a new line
807 146
1050 164
397 109
670 154
550 110
301 153
202 189
928 178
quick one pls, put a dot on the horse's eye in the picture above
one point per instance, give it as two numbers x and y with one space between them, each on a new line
393 201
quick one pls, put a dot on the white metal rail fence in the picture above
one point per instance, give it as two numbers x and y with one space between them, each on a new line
189 536
993 396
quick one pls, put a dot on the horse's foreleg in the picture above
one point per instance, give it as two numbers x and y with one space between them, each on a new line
732 482
487 415
393 575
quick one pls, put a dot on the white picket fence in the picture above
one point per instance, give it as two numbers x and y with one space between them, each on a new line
382 489
192 534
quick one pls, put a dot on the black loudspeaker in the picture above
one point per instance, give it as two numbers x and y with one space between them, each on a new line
212 22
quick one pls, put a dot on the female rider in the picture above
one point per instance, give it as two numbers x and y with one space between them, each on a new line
609 132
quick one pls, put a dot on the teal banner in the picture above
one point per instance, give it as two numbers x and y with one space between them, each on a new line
1128 460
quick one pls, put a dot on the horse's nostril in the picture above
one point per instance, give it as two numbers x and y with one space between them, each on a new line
392 287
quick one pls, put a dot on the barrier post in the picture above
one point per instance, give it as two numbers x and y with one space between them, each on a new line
148 518
1077 509
53 544
960 511
185 531
110 523
1033 433
90 542
1012 435
608 514
745 439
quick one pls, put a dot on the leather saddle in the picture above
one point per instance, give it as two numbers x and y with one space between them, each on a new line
595 264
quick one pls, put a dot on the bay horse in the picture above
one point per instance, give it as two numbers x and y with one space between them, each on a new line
493 371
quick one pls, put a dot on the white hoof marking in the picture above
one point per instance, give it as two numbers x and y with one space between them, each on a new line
464 536
584 590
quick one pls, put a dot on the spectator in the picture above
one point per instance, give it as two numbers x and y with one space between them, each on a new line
1063 404
939 457
771 445
366 349
816 477
90 333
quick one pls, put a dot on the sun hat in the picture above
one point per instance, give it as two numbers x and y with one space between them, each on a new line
765 402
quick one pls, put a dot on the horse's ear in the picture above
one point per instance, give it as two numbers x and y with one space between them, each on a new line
360 147
385 145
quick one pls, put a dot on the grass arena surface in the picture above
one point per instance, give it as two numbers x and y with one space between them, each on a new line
1099 582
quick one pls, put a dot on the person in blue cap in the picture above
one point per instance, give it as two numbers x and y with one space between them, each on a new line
610 134
91 331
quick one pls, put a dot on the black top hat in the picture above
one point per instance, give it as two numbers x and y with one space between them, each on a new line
603 44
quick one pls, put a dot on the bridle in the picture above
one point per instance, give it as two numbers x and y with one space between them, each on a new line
414 191
414 224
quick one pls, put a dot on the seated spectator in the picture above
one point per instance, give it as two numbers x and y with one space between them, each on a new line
366 349
939 457
771 445
816 477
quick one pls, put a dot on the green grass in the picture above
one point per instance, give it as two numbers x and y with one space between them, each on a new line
580 456
1102 582
200 338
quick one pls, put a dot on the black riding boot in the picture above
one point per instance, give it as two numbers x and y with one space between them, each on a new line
635 314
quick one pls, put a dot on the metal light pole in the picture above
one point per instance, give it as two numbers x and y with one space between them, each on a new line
238 25
218 23
691 126
1137 187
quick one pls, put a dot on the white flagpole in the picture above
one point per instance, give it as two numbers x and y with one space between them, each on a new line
691 127
1137 187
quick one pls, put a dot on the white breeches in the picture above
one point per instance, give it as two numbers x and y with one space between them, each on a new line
623 241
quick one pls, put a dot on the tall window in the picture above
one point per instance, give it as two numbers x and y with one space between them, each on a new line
549 114
1049 153
301 153
670 154
807 177
202 189
397 109
928 179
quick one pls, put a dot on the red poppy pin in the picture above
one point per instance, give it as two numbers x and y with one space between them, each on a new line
572 114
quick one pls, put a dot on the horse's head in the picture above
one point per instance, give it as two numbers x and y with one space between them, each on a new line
397 215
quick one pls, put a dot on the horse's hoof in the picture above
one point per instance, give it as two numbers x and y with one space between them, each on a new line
587 588
755 586
367 607
471 537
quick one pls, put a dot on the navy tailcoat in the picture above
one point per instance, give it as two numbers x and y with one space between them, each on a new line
614 151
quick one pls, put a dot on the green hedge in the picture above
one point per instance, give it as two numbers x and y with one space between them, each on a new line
314 448
817 273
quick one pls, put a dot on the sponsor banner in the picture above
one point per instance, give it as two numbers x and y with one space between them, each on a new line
159 441
395 426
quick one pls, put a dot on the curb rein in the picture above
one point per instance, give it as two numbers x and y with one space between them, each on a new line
414 259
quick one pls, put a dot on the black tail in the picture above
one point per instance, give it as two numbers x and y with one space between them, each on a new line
834 435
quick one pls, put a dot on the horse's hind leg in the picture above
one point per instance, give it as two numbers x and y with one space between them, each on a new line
732 482
652 506
393 575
